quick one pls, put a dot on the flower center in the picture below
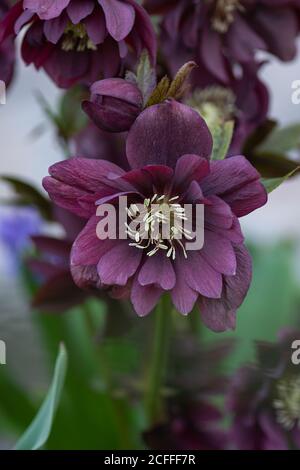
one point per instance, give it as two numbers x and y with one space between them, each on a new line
287 402
223 15
215 104
157 224
76 39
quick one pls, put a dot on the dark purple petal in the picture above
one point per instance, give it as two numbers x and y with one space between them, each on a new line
67 197
119 264
80 9
219 253
200 276
85 173
88 248
237 182
119 18
164 132
157 270
212 54
54 29
96 27
144 298
190 168
118 88
220 314
46 9
269 21
183 296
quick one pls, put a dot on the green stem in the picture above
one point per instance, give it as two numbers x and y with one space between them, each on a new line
105 373
153 398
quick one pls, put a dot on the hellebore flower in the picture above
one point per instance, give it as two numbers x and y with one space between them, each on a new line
115 104
189 426
80 41
220 33
168 149
245 101
7 52
265 399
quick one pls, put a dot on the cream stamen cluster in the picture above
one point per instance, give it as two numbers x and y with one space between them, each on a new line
224 14
287 403
157 224
76 38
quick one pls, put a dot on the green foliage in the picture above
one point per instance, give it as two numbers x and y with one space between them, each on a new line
175 89
281 140
69 119
273 183
27 195
222 136
39 430
145 76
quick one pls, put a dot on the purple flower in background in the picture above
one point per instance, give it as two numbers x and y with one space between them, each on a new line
189 426
220 33
245 101
265 399
115 104
17 225
92 142
7 52
78 41
168 149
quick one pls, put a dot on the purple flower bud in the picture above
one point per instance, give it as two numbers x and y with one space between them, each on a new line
115 104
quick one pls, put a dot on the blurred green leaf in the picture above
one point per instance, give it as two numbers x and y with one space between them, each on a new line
69 119
222 136
281 140
39 430
15 405
272 183
146 76
29 196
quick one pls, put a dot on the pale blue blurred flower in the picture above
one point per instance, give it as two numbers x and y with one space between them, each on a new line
17 225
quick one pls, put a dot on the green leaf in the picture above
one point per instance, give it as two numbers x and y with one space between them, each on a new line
175 89
178 86
222 136
273 183
29 196
160 93
39 430
282 140
146 76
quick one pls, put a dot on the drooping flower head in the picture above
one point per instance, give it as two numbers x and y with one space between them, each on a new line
7 52
168 149
77 41
221 33
265 398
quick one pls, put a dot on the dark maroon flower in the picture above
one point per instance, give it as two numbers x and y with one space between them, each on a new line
92 142
168 150
115 104
245 101
78 41
220 33
189 426
265 399
7 52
